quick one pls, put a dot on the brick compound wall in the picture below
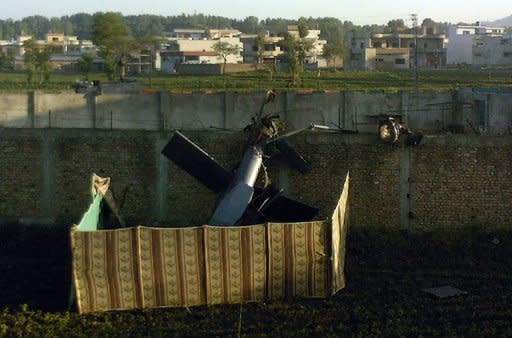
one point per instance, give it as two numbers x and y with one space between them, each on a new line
448 181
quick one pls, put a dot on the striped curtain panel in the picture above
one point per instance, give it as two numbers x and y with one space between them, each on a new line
235 264
297 260
105 270
172 266
339 222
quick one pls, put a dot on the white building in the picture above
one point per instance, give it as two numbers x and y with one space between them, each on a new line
463 41
315 54
197 52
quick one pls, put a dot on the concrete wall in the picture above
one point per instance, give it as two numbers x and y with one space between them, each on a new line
431 112
14 110
448 181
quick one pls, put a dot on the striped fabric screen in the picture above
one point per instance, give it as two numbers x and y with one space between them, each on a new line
235 264
297 260
105 269
172 266
156 267
339 222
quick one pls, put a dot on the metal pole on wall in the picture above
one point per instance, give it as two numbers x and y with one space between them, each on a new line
49 118
414 18
111 120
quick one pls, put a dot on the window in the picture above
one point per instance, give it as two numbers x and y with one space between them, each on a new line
400 61
466 32
269 47
377 44
379 60
507 54
361 45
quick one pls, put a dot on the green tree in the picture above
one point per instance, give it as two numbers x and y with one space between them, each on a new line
35 25
290 45
113 38
225 49
7 60
82 25
303 28
260 47
85 64
148 46
37 61
332 52
396 25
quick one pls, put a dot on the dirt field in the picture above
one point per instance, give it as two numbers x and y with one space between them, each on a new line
386 272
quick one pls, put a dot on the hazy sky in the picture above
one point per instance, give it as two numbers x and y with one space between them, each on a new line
358 11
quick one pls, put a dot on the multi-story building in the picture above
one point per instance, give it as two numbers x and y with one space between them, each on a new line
197 52
378 51
185 34
270 52
314 56
273 52
478 45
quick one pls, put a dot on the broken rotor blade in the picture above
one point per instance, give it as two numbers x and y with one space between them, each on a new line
195 161
293 157
284 209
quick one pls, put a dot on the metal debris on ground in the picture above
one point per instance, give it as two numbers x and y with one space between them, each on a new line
445 291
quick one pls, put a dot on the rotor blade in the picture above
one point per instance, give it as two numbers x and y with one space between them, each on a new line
195 161
293 157
284 209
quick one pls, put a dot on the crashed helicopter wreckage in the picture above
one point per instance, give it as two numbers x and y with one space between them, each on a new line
283 250
242 202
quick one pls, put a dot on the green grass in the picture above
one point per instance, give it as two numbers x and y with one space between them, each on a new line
386 270
439 80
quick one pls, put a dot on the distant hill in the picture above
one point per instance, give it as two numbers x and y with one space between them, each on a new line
505 22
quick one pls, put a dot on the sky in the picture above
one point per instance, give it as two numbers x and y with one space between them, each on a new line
360 12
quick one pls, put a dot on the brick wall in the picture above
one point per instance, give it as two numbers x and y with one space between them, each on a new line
454 180
466 183
20 177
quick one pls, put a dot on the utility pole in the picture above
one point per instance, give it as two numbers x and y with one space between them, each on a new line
414 19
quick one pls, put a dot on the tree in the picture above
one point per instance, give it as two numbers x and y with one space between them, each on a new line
85 64
396 25
7 60
303 29
260 47
112 36
225 49
37 61
149 45
296 49
333 51
290 45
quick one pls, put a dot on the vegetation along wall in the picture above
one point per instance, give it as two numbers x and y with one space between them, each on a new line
447 181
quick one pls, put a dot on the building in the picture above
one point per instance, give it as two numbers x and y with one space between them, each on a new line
63 43
315 55
269 54
196 52
215 34
387 59
430 49
185 34
478 45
